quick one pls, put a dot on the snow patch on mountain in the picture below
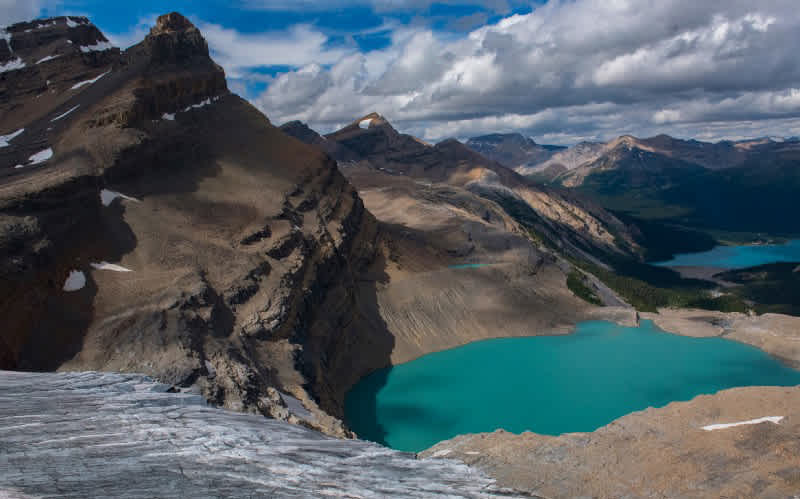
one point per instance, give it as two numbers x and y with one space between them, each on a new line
88 82
12 65
66 113
6 139
109 266
75 280
108 196
97 47
48 58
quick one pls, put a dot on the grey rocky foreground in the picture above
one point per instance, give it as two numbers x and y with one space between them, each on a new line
120 435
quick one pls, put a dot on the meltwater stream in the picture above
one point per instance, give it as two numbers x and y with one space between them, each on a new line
549 384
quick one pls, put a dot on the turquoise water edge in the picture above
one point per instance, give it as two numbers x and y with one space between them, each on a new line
549 384
737 257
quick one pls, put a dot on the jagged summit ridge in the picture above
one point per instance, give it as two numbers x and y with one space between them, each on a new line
174 39
173 21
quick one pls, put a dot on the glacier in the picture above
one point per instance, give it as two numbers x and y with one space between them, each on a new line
93 434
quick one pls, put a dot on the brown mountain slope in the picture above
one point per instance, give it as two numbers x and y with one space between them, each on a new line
245 247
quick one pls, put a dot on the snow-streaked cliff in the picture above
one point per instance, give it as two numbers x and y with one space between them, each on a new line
122 435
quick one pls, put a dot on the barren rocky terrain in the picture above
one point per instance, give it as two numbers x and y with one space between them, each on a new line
674 451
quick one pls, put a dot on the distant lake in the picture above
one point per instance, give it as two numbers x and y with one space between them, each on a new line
550 384
737 257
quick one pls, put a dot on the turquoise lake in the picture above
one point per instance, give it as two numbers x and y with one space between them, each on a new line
549 384
738 257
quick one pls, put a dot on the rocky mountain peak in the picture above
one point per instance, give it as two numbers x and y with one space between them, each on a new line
174 21
174 39
371 116
627 141
498 138
372 128
371 120
449 142
29 43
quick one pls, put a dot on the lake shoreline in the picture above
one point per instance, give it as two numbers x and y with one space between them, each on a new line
414 405
776 334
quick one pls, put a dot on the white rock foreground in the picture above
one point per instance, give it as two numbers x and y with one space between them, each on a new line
122 435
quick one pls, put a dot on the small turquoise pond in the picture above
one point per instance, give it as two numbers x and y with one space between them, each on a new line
469 266
549 384
738 257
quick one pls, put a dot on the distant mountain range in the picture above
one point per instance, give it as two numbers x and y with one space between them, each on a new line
574 223
513 150
747 185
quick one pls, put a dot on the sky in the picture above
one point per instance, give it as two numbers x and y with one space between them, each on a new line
560 71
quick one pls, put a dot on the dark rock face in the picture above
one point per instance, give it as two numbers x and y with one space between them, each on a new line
303 133
174 39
